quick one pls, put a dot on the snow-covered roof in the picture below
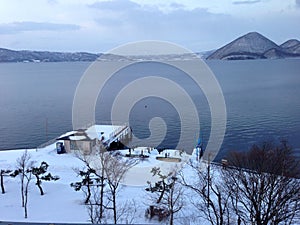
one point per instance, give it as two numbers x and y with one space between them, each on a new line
97 131
77 137
67 134
92 133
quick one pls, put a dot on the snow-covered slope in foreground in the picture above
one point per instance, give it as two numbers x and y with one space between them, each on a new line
60 202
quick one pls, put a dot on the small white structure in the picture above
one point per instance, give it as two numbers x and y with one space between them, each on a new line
88 139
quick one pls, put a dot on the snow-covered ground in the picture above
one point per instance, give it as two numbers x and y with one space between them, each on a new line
60 202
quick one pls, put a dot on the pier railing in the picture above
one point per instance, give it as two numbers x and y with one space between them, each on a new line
50 142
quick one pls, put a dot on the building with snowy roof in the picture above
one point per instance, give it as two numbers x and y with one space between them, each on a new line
87 140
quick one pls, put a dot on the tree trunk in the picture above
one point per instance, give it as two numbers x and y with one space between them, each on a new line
208 183
25 208
171 218
101 196
162 193
26 200
88 194
38 183
22 190
41 189
2 182
114 207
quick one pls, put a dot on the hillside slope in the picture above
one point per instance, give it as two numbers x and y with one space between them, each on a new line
7 55
256 46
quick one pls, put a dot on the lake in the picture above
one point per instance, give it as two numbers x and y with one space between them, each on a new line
261 96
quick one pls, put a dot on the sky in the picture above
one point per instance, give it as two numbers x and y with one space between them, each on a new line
100 25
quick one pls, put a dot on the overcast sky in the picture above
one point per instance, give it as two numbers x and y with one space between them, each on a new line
98 26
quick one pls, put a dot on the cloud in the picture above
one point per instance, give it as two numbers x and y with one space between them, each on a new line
246 2
114 5
175 5
52 2
16 27
105 24
192 28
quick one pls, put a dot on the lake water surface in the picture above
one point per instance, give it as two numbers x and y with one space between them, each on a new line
261 96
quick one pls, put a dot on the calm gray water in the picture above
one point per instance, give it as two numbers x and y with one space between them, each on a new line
262 100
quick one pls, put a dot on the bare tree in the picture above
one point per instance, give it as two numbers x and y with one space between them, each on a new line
24 164
100 182
28 178
212 202
39 173
96 205
127 212
24 171
88 180
2 174
265 184
101 173
93 181
115 168
174 198
168 198
162 186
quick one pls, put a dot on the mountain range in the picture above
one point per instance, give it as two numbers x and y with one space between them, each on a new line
256 46
7 55
249 46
